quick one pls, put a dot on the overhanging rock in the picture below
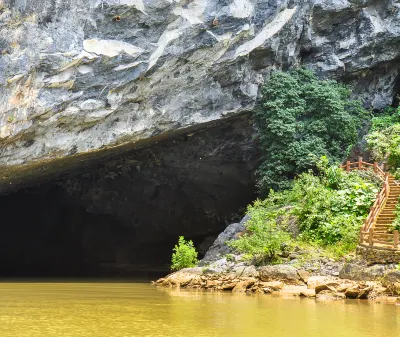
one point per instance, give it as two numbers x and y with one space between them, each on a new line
80 78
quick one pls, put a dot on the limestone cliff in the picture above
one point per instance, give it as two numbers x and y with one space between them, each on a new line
82 78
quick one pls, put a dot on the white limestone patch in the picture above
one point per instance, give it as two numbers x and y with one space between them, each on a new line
223 37
84 69
376 21
187 15
15 78
127 66
162 43
138 4
241 8
198 7
110 48
61 77
92 104
97 115
267 32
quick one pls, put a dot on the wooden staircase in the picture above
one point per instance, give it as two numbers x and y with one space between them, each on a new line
382 229
377 231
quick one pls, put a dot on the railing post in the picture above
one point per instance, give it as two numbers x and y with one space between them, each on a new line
348 166
371 237
387 190
359 163
396 238
364 227
375 167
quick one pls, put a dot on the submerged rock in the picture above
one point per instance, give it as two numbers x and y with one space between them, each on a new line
330 295
182 278
242 286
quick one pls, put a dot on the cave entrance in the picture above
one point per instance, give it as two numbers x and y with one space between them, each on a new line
124 215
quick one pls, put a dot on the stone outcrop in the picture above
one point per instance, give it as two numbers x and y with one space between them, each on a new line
319 287
220 248
84 79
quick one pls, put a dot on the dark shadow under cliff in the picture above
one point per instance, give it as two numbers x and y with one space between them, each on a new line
125 214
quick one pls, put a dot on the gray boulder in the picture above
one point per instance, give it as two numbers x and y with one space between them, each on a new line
285 273
244 271
360 272
392 276
219 248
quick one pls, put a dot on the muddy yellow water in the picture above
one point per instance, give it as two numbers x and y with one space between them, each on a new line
139 309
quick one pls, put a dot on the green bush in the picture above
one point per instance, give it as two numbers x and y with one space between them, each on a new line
384 138
329 210
387 118
301 117
184 255
264 239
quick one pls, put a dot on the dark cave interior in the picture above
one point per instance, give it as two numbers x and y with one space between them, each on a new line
124 215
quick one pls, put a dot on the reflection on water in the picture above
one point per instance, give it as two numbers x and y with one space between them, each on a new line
139 309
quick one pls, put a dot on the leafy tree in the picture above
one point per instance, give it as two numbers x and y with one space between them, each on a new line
299 118
184 255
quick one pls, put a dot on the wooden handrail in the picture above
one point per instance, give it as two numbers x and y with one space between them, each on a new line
367 235
362 165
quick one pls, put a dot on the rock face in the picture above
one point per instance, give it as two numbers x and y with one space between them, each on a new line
80 79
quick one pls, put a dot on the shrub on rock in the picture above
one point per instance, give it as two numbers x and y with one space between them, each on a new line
184 256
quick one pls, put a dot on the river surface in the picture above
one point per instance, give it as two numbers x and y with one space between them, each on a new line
140 309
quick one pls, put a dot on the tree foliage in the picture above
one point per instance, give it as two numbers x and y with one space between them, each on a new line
301 117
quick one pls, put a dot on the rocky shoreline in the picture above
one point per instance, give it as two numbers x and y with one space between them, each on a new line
305 272
380 283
